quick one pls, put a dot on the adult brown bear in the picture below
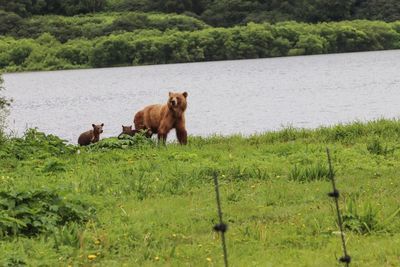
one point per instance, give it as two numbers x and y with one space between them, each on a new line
161 119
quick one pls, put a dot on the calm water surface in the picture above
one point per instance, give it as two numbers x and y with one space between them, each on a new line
228 97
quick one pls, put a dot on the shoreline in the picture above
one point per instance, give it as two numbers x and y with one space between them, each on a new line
5 73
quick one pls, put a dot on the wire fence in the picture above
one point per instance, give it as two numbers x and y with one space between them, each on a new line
221 227
335 195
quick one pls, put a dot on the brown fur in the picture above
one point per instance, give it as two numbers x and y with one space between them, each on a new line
139 124
128 130
161 119
91 136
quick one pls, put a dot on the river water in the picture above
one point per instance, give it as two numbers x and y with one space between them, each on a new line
226 97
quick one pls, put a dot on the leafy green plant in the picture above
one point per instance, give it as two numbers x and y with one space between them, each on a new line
35 143
4 105
364 222
54 165
67 235
39 211
376 147
124 142
13 262
313 172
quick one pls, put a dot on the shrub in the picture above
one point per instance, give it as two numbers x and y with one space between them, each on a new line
34 212
111 52
73 54
37 144
129 22
124 142
20 53
9 21
312 44
4 105
92 26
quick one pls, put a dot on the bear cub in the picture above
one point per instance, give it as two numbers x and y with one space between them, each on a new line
128 130
91 136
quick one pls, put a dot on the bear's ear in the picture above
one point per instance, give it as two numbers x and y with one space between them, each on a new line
102 124
170 94
185 94
94 126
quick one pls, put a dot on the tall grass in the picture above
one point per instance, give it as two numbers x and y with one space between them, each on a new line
314 172
155 205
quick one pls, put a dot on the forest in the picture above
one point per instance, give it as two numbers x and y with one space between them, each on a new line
218 12
50 35
154 46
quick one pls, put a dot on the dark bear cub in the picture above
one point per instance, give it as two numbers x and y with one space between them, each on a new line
91 136
128 130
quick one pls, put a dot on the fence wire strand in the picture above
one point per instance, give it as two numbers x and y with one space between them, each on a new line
335 195
221 227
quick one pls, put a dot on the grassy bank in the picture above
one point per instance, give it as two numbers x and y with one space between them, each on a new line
126 46
131 203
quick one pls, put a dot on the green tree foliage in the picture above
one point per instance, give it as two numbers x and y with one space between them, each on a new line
168 6
229 12
387 10
91 26
221 12
62 7
233 12
30 213
9 22
4 104
172 46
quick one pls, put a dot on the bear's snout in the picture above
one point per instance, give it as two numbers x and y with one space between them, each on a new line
174 102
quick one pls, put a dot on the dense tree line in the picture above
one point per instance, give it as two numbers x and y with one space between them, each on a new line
233 12
42 7
155 47
91 26
221 12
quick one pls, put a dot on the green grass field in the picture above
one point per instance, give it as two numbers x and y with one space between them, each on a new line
155 206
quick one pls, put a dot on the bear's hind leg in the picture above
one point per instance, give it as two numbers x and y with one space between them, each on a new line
163 131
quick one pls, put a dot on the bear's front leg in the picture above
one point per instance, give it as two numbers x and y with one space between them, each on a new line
181 133
162 137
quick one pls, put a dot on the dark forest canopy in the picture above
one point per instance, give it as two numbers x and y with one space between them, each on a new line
26 8
221 12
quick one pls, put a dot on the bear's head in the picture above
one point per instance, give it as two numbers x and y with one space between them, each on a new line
98 129
177 101
126 129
